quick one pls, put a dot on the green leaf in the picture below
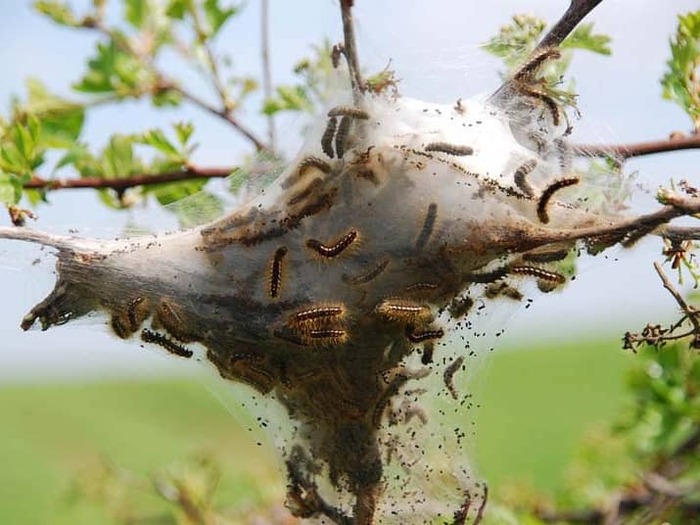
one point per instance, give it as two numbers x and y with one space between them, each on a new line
113 70
583 38
289 98
59 12
681 82
157 139
118 158
61 120
217 16
166 97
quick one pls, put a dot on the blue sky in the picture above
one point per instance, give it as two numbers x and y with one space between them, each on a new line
434 47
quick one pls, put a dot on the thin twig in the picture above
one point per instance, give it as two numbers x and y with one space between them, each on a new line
267 68
219 112
689 310
638 149
350 49
188 173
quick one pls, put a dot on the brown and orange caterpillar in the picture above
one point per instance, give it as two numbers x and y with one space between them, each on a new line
404 311
428 226
276 271
549 192
368 276
520 177
451 149
306 192
546 99
531 67
335 249
315 314
328 336
421 289
149 336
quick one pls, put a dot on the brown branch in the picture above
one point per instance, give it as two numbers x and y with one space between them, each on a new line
121 184
638 149
690 311
577 11
350 49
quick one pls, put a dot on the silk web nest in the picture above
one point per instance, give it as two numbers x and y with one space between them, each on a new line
332 291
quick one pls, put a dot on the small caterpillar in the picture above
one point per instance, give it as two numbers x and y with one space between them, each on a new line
425 335
341 137
251 372
137 311
421 288
348 111
548 101
460 307
315 314
149 336
520 177
548 193
120 326
539 273
368 276
276 271
335 249
533 64
450 149
330 335
448 376
327 137
428 226
402 310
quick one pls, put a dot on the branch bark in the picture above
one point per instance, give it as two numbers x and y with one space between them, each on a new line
189 173
638 149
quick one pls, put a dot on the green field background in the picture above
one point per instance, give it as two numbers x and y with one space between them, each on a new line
537 404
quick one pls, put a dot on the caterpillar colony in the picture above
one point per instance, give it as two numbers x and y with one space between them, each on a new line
331 291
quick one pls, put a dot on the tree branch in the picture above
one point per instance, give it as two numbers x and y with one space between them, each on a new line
350 49
188 173
638 149
577 11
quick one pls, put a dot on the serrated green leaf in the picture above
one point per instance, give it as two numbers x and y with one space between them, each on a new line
681 82
157 139
217 16
59 12
289 98
118 159
237 180
583 38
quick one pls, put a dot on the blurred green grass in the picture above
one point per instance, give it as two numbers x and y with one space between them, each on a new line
537 404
